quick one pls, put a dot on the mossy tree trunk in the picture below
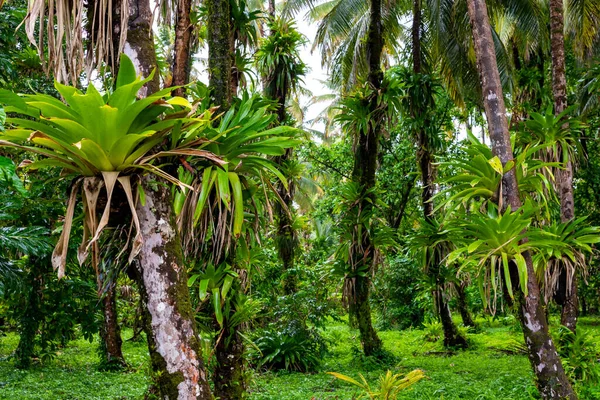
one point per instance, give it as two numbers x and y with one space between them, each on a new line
365 167
463 307
452 338
172 339
564 178
229 379
551 379
220 57
183 36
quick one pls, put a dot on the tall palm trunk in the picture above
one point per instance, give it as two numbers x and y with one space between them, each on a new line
452 338
564 177
228 376
551 378
220 57
183 35
169 320
365 166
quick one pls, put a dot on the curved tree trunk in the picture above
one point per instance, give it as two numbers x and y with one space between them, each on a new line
551 378
452 337
183 34
220 58
173 343
564 181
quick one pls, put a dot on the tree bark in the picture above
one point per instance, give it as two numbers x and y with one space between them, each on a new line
365 167
463 307
360 310
183 35
564 177
110 332
230 383
551 379
220 57
169 320
172 339
452 338
140 43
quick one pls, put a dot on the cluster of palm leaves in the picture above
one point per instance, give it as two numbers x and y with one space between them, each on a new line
100 140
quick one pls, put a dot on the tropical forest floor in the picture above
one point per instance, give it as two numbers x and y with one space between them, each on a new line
486 371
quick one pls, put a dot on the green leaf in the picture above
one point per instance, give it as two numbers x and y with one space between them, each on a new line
496 164
238 203
216 298
127 73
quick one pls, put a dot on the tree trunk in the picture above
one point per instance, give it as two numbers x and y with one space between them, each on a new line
229 372
172 340
365 167
183 34
360 310
220 58
140 43
110 332
463 307
271 8
551 378
452 337
564 177
170 326
425 159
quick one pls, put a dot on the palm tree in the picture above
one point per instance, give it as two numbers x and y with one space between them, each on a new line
551 378
279 63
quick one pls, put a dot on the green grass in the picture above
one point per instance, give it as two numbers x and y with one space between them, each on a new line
479 373
73 374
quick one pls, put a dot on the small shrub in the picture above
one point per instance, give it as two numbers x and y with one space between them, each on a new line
295 348
579 356
389 385
432 331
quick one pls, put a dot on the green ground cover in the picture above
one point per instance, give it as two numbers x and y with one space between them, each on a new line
483 372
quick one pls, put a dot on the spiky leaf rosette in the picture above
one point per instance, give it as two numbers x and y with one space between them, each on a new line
100 140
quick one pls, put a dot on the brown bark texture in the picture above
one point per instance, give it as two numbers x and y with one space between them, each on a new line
551 379
220 57
110 332
564 177
183 35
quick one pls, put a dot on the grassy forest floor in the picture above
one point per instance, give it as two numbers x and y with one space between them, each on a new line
483 372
